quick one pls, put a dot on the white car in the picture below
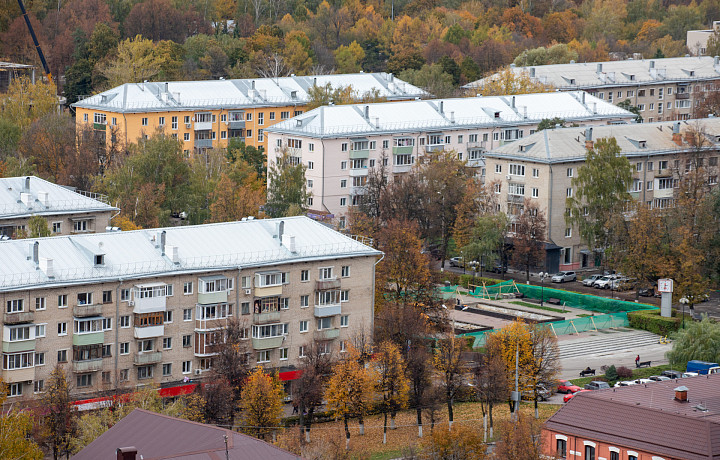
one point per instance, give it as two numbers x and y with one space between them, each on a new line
642 381
561 277
590 280
625 383
604 282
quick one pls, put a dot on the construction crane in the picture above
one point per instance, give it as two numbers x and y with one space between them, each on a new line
35 40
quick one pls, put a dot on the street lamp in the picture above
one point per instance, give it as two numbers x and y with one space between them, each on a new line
684 301
542 276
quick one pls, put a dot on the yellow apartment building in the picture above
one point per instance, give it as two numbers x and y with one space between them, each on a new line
206 114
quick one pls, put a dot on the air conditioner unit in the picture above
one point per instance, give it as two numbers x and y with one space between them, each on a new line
248 291
131 303
197 371
507 177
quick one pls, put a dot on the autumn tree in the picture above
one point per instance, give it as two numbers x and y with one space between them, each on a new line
646 249
600 192
529 238
696 341
432 78
520 439
138 59
287 192
392 384
349 57
230 363
545 361
350 390
233 200
58 422
513 343
461 442
218 401
261 403
15 429
477 201
38 227
555 54
491 383
452 369
26 102
308 389
487 242
508 81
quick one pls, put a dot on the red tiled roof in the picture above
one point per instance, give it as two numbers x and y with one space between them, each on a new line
647 417
158 436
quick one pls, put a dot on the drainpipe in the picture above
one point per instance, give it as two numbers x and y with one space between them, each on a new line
117 331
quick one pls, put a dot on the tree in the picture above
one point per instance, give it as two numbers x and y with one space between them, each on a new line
530 236
218 401
487 243
349 57
509 82
238 150
627 105
546 361
261 403
600 192
232 200
550 123
460 443
646 250
15 429
556 54
38 227
349 391
231 360
432 78
490 382
392 384
698 340
26 102
58 421
137 60
309 387
287 187
478 201
514 344
521 439
448 362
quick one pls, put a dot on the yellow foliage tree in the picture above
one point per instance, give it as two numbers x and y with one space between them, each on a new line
261 403
449 363
508 81
350 390
15 429
26 101
349 58
461 442
392 384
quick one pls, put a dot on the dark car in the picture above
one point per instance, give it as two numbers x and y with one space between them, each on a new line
672 374
498 268
646 292
596 385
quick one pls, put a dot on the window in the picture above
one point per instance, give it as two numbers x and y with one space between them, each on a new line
498 188
270 279
310 183
18 360
40 359
589 453
84 298
561 448
272 115
567 258
145 372
498 169
84 380
186 367
57 227
344 295
344 320
311 147
161 121
311 165
303 326
107 296
713 161
568 232
125 294
284 115
174 122
167 369
516 189
616 456
146 345
62 356
62 329
649 185
39 330
326 273
343 165
301 351
107 351
188 288
18 334
187 314
85 117
535 192
304 300
125 321
297 112
167 343
87 326
569 192
144 121
261 118
248 133
324 323
263 356
186 137
245 308
343 346
283 354
107 324
343 201
284 303
517 170
630 456
39 303
187 341
168 316
39 386
124 348
270 330
570 172
15 305
536 172
261 135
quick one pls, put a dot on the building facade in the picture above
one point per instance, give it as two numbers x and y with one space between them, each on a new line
661 89
206 114
697 39
125 309
541 168
67 211
341 144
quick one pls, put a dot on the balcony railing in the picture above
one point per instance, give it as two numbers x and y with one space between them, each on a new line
435 148
327 334
359 154
322 311
267 317
324 285
19 317
90 365
403 150
238 124
203 143
147 358
399 169
358 172
682 96
267 343
83 311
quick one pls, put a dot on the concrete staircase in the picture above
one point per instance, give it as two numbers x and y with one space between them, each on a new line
607 342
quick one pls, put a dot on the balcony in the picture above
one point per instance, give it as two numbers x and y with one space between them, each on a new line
359 154
149 331
100 126
267 317
358 172
237 124
635 195
267 343
359 190
14 347
476 145
515 199
666 172
663 193
92 338
435 148
150 304
203 143
18 375
682 96
403 150
327 334
268 291
322 311
19 317
209 298
400 169
324 285
142 359
203 125
90 365
83 311
475 163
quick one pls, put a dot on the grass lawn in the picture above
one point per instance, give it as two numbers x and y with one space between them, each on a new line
641 373
370 446
534 305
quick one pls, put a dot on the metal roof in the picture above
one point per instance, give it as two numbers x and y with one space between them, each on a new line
157 436
648 418
565 145
200 248
239 94
586 75
444 114
59 200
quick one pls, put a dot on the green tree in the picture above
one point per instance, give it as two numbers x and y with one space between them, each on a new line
555 54
487 243
26 102
698 340
627 105
432 78
349 58
600 193
9 137
287 187
550 123
238 150
38 227
261 403
138 59
15 430
529 238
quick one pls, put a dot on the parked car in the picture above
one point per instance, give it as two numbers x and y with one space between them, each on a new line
561 277
570 396
590 280
672 374
659 378
623 284
456 262
689 374
643 381
625 383
597 385
646 292
604 282
566 386
498 268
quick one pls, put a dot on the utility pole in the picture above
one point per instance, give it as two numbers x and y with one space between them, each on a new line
516 393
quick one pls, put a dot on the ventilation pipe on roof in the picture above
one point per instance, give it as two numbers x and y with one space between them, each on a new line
391 77
594 107
367 112
572 61
27 183
172 253
36 253
599 68
681 393
281 230
44 198
314 81
652 64
442 106
163 237
103 98
583 98
676 136
126 453
26 199
167 87
289 242
589 138
452 117
253 84
716 60
512 104
46 265
377 122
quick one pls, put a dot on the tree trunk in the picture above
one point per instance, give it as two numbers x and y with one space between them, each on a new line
491 420
361 422
301 421
485 427
347 433
392 419
450 413
385 428
537 412
308 422
419 421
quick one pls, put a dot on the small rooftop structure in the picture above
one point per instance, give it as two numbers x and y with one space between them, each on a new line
150 436
10 71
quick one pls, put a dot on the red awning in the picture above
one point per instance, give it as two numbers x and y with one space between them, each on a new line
289 375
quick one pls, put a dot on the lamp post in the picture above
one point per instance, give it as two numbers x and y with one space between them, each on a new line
684 301
542 276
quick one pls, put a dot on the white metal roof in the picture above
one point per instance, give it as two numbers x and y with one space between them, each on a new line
586 75
444 114
60 200
201 248
564 145
229 94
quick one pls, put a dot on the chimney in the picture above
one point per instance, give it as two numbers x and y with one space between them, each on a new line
588 139
167 87
681 394
281 230
163 237
512 104
652 64
27 183
676 136
391 77
172 253
599 68
36 253
46 265
452 117
442 107
367 112
253 84
583 98
532 72
314 81
289 242
126 453
44 198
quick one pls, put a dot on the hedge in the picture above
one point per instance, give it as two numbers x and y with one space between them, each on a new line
650 320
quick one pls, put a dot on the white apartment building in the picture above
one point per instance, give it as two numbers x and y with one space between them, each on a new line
662 89
121 310
67 211
340 144
541 167
697 40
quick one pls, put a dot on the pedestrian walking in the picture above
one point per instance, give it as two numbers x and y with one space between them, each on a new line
637 361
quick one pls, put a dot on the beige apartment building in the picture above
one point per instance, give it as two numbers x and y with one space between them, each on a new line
541 168
341 144
662 89
696 40
122 310
67 211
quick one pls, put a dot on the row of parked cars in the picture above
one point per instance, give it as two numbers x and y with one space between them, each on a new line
570 389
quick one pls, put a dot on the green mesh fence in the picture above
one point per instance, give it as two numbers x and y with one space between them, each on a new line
570 326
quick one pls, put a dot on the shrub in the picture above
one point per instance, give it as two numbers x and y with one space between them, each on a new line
650 320
624 373
611 373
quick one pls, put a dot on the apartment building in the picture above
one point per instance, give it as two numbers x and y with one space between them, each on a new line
671 420
67 211
541 168
697 40
662 89
340 144
206 114
124 309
